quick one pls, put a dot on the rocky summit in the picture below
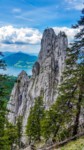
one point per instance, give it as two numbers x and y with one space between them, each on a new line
46 76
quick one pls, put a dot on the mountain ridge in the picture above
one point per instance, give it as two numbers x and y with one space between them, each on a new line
20 59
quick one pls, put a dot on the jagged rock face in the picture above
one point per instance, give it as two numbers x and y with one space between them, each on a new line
36 69
52 61
18 99
45 79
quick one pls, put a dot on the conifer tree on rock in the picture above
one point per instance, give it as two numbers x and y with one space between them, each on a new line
72 88
33 128
70 102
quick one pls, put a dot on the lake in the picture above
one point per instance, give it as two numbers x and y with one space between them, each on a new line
15 71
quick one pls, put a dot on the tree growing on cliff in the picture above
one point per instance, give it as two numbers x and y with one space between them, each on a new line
78 50
51 123
10 136
71 91
7 131
70 102
19 130
33 128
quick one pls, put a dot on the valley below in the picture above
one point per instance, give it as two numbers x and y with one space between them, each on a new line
16 62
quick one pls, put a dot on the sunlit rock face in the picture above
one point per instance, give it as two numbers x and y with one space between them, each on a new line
46 76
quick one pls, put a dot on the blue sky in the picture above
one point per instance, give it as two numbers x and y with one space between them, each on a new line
22 21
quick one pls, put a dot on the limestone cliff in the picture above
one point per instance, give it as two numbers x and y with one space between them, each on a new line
46 76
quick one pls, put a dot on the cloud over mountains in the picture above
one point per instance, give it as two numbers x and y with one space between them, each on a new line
27 38
11 35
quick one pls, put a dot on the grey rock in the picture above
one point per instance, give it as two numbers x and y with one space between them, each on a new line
36 69
18 98
46 76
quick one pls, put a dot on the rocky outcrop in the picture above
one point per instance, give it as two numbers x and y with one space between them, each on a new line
18 99
46 76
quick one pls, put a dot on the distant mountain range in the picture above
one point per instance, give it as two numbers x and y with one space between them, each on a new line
5 54
19 59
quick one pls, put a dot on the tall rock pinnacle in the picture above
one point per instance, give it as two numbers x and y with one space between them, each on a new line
46 76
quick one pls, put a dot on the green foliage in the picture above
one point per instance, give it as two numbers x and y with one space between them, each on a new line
53 124
71 93
7 131
50 123
10 135
74 145
5 88
2 123
2 105
19 130
33 128
46 126
6 85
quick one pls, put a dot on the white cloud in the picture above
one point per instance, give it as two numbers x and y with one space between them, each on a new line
11 35
70 32
75 4
27 39
24 48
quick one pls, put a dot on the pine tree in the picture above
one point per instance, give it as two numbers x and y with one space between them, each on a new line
7 131
10 136
71 95
2 104
33 129
78 47
63 117
50 123
19 130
